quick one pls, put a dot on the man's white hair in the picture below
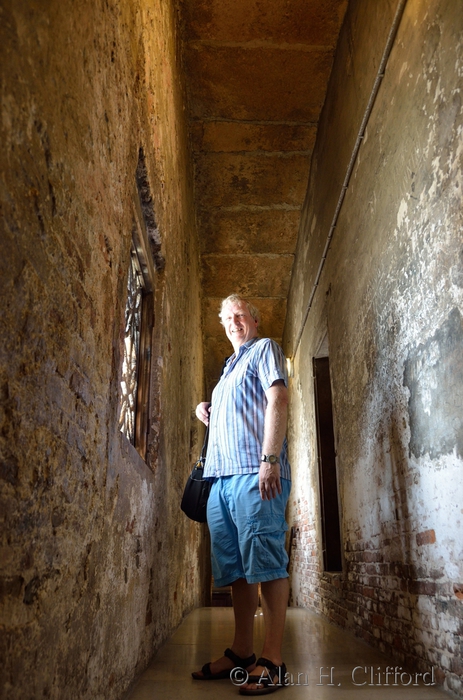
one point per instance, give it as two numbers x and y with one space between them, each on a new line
237 299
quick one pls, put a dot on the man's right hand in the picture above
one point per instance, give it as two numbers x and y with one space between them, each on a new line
269 481
202 411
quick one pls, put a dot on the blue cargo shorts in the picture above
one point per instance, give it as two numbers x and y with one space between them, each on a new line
247 533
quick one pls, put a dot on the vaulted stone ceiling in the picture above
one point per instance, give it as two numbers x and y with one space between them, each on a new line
256 75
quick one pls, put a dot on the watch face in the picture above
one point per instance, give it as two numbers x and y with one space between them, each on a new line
272 459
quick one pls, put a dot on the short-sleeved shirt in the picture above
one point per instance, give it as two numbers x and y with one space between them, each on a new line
238 403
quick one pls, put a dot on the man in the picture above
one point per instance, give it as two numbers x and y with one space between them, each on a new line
247 461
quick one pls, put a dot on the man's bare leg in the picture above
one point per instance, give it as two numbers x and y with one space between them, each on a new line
274 604
245 599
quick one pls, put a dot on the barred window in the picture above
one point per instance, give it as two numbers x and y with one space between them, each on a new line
146 262
130 363
138 335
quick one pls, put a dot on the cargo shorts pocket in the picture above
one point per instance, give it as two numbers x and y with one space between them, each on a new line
267 551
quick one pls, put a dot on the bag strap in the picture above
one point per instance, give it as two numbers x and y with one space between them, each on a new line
206 439
206 435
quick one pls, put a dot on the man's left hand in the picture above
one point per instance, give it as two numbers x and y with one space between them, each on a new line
269 481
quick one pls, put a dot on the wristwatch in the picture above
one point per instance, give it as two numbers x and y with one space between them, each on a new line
273 459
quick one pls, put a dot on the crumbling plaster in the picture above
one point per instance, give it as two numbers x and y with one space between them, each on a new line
390 296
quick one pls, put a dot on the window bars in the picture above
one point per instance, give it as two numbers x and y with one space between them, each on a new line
131 359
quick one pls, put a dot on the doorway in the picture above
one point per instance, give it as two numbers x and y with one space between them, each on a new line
329 504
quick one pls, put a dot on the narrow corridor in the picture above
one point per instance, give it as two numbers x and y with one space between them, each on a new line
158 156
324 662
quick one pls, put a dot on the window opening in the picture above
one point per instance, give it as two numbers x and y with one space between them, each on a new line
329 504
145 261
130 363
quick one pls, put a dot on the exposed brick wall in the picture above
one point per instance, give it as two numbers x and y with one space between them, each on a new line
416 621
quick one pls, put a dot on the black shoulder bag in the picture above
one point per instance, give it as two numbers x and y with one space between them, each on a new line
196 493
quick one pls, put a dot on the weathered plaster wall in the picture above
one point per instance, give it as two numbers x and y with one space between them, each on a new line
391 300
90 585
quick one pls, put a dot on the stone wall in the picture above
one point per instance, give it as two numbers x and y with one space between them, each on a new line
256 75
89 583
390 298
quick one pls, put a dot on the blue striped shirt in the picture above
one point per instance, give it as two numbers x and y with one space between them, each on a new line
236 423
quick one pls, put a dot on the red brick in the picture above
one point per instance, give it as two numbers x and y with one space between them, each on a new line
422 587
426 537
378 620
369 556
368 592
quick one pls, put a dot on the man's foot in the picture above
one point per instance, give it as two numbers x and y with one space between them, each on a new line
267 678
220 669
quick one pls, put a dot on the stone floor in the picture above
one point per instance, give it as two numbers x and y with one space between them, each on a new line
324 663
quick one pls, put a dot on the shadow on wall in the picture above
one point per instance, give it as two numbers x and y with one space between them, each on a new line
415 603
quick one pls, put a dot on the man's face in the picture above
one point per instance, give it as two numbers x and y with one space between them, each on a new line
239 325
